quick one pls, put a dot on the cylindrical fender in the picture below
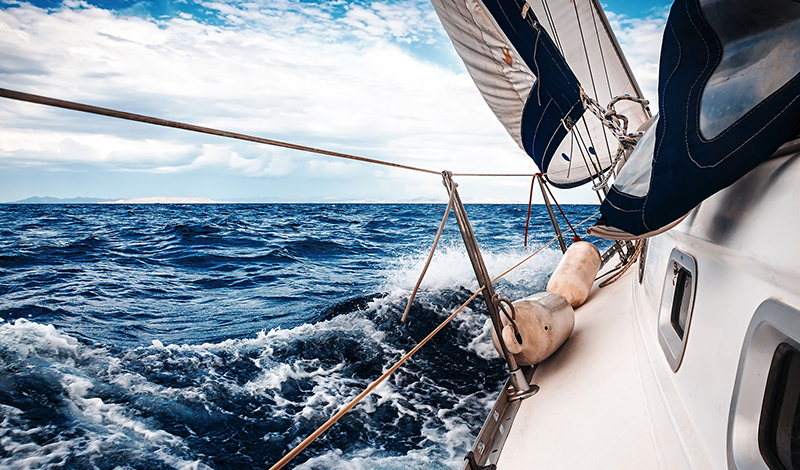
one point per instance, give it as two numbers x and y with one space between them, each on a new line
575 273
544 321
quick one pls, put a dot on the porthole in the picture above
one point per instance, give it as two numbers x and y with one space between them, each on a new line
764 422
779 426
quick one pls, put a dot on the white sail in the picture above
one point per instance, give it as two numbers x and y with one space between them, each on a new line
582 33
491 40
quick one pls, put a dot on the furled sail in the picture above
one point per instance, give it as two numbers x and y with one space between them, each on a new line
729 97
536 65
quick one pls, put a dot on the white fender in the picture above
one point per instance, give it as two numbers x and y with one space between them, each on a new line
544 322
575 273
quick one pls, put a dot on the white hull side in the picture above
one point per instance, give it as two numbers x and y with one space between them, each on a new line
610 399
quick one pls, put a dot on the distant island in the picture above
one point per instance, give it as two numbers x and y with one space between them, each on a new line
165 200
251 200
97 200
58 200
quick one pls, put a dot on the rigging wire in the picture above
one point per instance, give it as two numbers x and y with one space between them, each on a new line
576 237
19 96
605 71
591 78
549 16
528 217
600 46
430 256
85 108
593 149
581 146
496 174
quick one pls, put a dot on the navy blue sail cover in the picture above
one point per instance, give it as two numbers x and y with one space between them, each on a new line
555 97
729 92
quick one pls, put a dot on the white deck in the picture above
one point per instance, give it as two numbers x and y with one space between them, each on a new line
592 410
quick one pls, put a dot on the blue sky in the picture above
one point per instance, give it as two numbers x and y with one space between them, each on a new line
374 78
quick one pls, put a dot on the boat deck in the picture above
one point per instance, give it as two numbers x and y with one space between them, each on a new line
592 410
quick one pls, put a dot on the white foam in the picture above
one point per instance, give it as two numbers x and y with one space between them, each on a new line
374 459
451 268
107 424
446 437
28 338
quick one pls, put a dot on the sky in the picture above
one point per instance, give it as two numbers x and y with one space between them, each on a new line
379 79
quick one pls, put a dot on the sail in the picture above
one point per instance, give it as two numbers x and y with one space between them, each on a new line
536 64
729 97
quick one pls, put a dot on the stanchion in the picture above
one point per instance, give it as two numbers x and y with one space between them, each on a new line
522 388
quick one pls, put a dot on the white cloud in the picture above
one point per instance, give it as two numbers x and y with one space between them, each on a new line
332 76
640 39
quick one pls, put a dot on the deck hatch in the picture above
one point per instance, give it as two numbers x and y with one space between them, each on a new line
677 303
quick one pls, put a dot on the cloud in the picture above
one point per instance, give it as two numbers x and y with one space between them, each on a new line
640 39
354 78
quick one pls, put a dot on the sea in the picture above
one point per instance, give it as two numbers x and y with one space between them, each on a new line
218 336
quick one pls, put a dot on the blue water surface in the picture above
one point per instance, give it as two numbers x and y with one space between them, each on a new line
219 336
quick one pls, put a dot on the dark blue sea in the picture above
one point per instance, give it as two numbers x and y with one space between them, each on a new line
220 336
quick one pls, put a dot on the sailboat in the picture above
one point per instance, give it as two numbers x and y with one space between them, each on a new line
692 359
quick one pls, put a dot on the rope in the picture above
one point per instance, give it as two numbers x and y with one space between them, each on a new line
615 277
280 464
85 108
512 317
299 448
528 217
552 240
430 256
576 237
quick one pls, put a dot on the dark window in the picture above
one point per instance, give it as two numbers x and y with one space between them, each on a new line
680 301
779 428
642 259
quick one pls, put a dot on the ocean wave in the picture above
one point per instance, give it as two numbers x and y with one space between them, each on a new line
219 337
240 400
